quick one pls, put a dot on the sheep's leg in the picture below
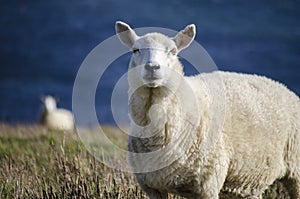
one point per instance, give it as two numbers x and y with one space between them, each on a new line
196 197
295 193
153 193
293 187
214 182
292 181
157 195
212 187
210 194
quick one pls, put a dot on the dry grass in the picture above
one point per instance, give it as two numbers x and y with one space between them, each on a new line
38 163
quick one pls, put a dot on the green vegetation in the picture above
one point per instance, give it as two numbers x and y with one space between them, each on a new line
39 163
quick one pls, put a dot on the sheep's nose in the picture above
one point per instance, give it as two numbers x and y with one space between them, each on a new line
152 66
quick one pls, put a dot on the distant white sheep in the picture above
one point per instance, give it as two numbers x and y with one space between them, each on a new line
259 141
55 118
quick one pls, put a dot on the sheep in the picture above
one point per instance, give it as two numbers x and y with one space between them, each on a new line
257 144
55 118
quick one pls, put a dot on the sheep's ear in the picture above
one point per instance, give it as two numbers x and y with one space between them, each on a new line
126 35
42 99
57 99
185 37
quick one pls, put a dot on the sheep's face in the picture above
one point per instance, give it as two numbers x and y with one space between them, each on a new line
49 103
154 57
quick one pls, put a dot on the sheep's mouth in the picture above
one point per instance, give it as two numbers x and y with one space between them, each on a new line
151 77
152 80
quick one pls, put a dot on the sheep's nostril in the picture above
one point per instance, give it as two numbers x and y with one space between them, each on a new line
148 67
156 67
152 67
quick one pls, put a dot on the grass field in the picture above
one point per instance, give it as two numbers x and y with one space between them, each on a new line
39 163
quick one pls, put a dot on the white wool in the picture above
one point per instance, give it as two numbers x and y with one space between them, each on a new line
259 138
55 118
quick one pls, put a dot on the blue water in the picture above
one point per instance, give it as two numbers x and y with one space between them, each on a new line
43 43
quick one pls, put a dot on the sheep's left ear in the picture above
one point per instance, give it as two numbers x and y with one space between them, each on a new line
185 37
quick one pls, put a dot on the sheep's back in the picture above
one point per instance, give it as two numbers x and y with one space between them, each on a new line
59 119
260 117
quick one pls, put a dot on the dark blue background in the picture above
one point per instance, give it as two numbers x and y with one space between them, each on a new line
43 43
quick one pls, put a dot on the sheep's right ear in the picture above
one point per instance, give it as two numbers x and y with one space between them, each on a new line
126 35
57 99
42 99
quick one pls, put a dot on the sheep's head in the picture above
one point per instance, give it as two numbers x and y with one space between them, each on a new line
49 102
154 54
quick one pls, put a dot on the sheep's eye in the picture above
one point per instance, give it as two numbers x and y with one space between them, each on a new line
173 51
135 50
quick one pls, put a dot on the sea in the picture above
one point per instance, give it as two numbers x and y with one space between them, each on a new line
43 45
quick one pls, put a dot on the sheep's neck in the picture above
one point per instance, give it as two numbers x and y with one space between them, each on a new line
143 100
141 104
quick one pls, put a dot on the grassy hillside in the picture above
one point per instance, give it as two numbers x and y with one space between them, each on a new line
39 163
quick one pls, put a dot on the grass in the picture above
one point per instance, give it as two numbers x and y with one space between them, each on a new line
40 163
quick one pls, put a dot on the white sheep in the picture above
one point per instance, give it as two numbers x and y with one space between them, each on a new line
258 143
55 118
